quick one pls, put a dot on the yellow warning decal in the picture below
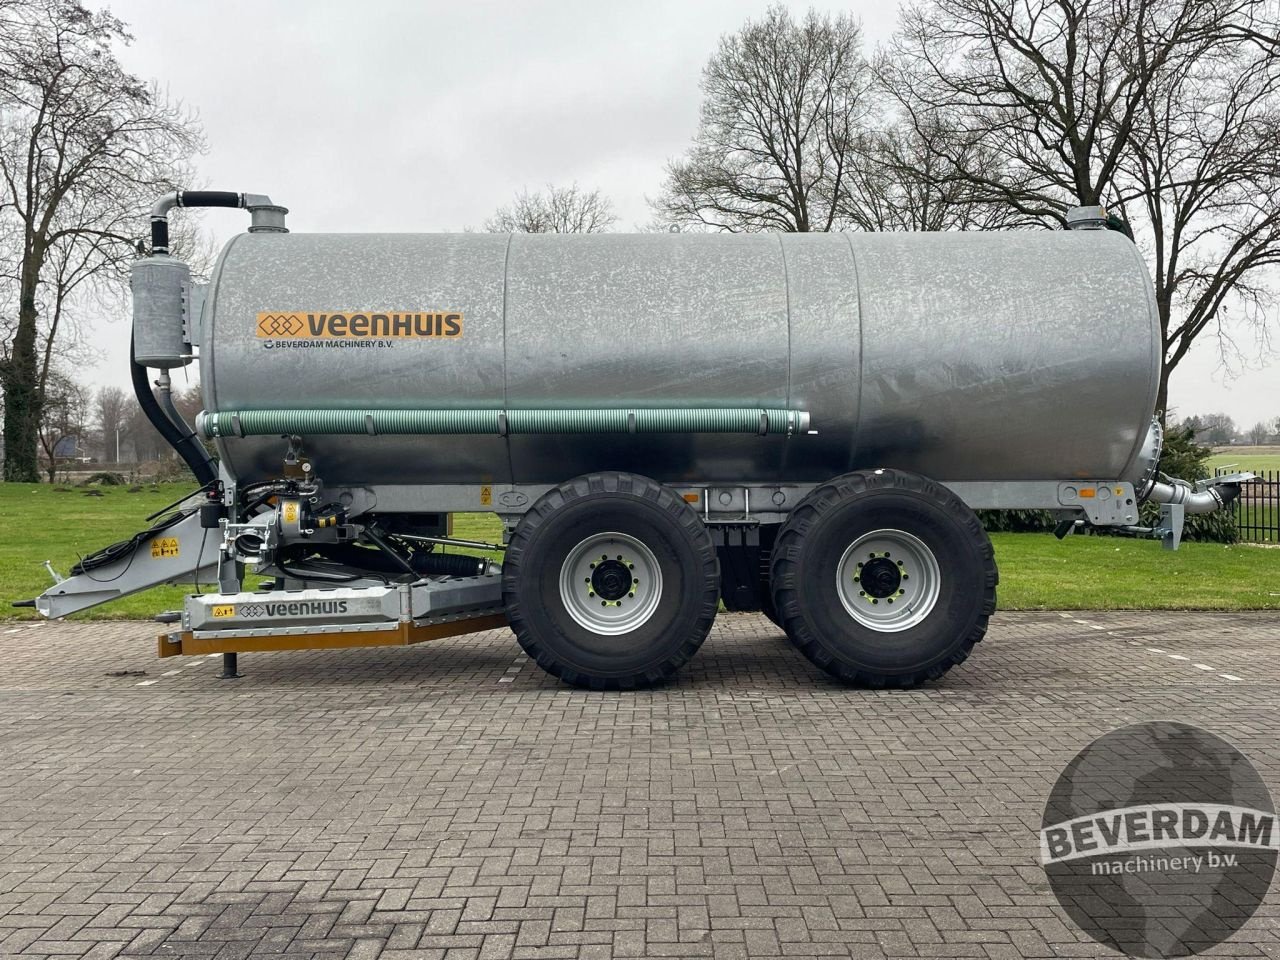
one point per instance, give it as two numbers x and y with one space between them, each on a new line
359 324
164 547
225 610
486 496
291 511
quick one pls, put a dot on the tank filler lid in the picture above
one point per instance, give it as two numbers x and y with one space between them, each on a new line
1097 218
1087 218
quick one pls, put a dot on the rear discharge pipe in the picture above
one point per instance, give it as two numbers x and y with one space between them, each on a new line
1206 500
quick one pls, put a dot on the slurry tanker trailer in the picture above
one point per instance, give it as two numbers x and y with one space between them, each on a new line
801 424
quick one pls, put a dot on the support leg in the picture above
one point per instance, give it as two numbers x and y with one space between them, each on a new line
230 577
229 671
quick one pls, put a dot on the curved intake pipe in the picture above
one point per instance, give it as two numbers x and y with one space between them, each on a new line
267 216
1193 501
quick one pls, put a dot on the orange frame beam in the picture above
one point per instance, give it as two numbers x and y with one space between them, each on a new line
401 635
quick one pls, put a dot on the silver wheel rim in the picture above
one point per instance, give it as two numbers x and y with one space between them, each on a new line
592 586
888 580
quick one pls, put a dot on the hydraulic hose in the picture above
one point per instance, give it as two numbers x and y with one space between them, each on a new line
188 447
424 564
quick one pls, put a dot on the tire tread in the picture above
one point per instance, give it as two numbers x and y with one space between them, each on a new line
827 496
627 484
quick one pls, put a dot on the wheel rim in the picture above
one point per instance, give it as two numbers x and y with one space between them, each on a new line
610 583
888 580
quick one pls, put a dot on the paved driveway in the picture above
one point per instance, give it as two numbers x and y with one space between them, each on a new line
451 800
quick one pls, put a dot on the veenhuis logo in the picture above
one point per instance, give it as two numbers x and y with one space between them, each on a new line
360 325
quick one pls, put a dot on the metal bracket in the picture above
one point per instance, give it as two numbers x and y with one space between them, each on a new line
1170 529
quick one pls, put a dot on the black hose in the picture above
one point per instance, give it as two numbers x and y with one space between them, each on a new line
176 418
424 564
125 548
188 447
390 552
449 564
190 198
210 198
159 236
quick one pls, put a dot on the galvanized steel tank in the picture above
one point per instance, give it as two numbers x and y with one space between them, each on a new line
963 356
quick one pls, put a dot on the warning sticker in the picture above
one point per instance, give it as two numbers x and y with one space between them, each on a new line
291 511
486 496
224 610
162 547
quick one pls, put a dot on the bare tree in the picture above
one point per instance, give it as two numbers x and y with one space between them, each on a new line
554 210
144 441
894 184
1259 433
84 149
784 106
111 411
64 422
1167 110
1215 428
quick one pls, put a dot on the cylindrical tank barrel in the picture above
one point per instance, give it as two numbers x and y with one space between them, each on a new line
962 356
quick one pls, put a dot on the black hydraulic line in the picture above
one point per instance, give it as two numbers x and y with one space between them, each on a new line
390 551
424 564
169 506
176 418
188 447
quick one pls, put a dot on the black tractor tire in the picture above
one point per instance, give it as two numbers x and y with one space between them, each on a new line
543 548
806 579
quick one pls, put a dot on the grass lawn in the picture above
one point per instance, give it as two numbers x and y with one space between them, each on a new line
41 523
1037 571
1256 459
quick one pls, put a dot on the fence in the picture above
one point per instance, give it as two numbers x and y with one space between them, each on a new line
1257 512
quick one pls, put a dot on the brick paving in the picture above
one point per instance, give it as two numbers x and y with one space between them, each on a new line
450 800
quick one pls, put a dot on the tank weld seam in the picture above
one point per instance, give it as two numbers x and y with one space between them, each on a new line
506 368
857 416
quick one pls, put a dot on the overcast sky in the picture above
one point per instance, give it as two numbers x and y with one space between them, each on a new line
424 116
